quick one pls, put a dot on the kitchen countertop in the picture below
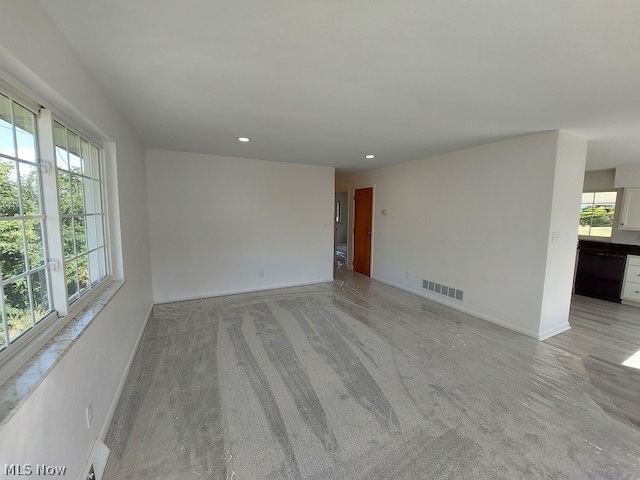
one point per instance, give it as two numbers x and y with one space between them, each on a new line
607 247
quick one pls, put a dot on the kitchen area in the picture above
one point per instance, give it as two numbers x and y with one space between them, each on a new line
604 338
608 257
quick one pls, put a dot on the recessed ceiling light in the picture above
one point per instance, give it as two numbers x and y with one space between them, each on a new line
370 156
243 139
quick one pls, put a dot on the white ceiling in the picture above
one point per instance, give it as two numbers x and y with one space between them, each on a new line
326 82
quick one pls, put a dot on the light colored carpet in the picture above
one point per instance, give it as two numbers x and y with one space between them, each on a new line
356 380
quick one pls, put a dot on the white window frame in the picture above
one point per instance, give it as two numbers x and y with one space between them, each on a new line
26 345
81 292
615 211
29 270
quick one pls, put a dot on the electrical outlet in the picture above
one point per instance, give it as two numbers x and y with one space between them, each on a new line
89 413
261 273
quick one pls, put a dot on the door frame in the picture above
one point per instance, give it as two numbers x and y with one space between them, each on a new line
351 236
344 212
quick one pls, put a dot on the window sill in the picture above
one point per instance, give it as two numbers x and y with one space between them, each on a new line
21 384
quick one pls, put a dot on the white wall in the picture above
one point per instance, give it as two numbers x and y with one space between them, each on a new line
49 427
561 254
216 222
599 180
477 220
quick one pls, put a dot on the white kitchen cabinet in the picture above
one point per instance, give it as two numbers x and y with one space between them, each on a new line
631 285
630 217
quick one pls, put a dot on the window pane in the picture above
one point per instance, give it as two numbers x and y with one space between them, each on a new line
85 154
67 237
60 139
16 302
3 338
35 243
25 132
100 240
102 256
77 195
97 197
23 119
602 216
605 198
600 232
586 211
95 162
11 248
64 192
40 294
88 195
94 267
9 204
92 242
83 274
6 128
30 185
72 279
584 230
587 198
80 234
74 152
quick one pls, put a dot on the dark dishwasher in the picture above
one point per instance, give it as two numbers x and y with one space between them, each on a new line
600 275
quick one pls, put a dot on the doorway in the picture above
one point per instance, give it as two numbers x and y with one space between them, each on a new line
341 229
362 230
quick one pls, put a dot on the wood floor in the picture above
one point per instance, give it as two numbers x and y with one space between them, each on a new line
357 380
605 335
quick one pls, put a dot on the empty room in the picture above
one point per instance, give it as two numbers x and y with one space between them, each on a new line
319 240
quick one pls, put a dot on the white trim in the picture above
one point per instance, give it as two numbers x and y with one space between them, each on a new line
554 331
46 98
123 379
223 293
78 130
455 306
23 99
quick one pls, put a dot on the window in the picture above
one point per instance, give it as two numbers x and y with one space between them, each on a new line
82 215
46 212
25 286
596 214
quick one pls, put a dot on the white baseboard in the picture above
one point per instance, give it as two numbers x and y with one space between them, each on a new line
449 303
222 293
123 379
554 331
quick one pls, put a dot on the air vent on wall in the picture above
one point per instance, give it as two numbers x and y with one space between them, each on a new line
450 292
96 462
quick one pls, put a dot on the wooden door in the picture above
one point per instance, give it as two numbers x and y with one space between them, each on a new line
362 230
